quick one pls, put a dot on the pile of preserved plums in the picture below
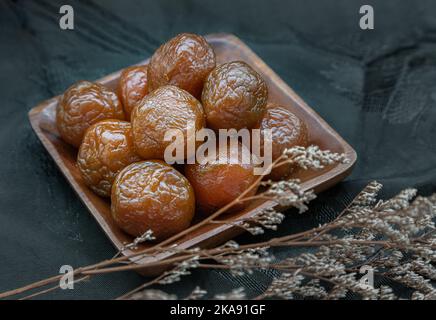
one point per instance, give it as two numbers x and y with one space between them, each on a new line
120 135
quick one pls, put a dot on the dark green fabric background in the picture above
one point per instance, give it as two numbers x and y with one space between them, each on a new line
376 88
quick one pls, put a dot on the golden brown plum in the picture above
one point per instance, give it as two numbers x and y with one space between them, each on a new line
82 105
287 130
151 195
166 108
184 61
217 182
132 87
106 149
234 96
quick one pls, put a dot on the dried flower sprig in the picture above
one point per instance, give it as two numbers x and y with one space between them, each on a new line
394 238
196 294
244 261
152 294
313 157
289 193
235 294
146 236
267 218
182 269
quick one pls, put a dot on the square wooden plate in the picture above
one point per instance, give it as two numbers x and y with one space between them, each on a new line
227 48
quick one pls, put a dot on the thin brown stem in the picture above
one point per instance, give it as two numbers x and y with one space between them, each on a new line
51 289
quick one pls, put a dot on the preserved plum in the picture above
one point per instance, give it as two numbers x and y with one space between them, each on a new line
221 179
82 105
184 61
132 87
287 131
106 149
166 108
151 195
234 96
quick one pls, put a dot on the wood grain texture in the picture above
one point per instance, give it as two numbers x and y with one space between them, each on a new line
227 48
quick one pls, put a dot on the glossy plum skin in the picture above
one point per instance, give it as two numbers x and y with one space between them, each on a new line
152 195
184 61
166 108
218 183
132 87
106 149
82 105
288 130
234 96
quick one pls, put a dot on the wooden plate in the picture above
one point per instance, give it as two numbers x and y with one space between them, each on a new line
227 48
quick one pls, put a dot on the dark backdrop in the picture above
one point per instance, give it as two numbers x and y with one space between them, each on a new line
376 88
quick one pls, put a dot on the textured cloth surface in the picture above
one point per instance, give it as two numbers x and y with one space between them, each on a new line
376 88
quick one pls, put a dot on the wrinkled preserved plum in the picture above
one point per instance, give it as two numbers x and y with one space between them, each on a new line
82 105
166 108
234 96
218 182
132 87
287 131
184 61
106 149
152 195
